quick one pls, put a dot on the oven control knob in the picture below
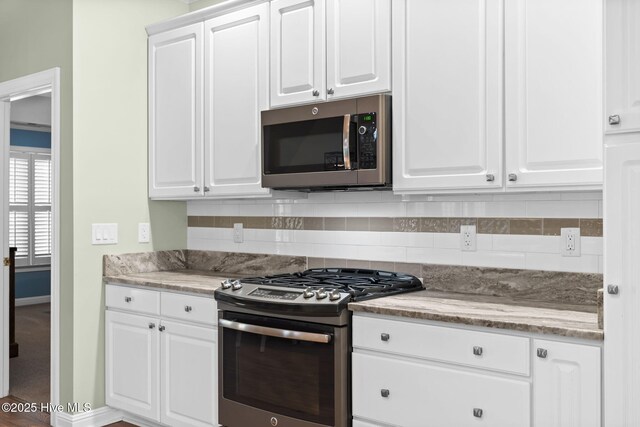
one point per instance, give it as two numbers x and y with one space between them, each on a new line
308 293
321 294
236 285
334 295
362 130
226 284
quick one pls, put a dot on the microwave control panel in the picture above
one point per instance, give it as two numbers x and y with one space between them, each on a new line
367 141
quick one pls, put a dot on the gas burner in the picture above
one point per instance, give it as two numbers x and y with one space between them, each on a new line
360 284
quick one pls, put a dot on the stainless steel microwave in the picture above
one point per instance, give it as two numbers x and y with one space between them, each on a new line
332 145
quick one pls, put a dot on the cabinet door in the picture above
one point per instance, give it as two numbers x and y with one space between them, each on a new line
414 394
621 314
175 113
566 385
297 52
447 105
623 65
358 47
236 90
132 364
189 375
553 92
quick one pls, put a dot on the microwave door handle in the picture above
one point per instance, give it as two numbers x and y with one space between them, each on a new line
275 332
346 149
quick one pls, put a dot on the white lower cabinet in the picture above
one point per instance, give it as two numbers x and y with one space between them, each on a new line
567 385
158 368
409 373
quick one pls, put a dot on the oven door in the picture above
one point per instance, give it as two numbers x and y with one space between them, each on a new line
276 372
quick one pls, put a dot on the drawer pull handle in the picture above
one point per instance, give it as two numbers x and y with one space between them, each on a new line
385 337
187 308
152 325
384 392
477 350
161 328
477 412
542 353
127 299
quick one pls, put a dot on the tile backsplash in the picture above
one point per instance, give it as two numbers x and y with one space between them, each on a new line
514 230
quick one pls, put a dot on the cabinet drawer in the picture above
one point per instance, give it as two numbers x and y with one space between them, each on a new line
134 299
496 352
189 307
419 395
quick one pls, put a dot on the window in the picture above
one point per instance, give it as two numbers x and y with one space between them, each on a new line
30 206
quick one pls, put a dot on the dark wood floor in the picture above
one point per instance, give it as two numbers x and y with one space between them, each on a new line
32 419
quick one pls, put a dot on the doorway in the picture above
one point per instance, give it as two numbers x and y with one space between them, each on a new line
30 227
30 222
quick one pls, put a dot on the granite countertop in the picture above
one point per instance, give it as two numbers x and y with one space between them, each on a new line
562 304
492 312
192 281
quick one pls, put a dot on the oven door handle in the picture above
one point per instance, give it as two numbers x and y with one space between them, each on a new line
346 148
274 332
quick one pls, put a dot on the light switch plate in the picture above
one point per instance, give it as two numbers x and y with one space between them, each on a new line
104 234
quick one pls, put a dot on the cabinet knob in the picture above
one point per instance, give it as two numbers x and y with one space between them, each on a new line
152 325
613 289
161 328
477 412
513 177
542 353
614 119
330 91
477 350
206 189
385 337
384 392
127 299
196 189
187 308
316 93
491 177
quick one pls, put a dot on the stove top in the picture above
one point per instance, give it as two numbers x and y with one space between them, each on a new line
318 290
361 284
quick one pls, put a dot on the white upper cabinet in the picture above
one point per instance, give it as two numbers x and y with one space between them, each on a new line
175 113
236 90
553 92
297 51
447 100
623 66
358 47
352 58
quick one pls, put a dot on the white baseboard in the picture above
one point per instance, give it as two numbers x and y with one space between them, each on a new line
33 300
93 418
99 417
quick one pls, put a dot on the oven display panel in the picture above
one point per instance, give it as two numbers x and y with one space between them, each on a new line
275 294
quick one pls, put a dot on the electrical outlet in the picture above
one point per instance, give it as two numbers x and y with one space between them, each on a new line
570 241
468 240
237 233
144 232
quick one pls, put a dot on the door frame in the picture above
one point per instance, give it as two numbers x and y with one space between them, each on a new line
12 90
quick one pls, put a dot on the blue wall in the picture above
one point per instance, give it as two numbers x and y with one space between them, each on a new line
30 138
32 283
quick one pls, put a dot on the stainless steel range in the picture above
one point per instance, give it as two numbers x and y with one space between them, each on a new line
284 345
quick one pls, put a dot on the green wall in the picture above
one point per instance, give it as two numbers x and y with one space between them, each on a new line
101 48
110 163
200 4
35 35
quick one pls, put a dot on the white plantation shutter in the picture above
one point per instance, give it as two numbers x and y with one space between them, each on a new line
30 207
